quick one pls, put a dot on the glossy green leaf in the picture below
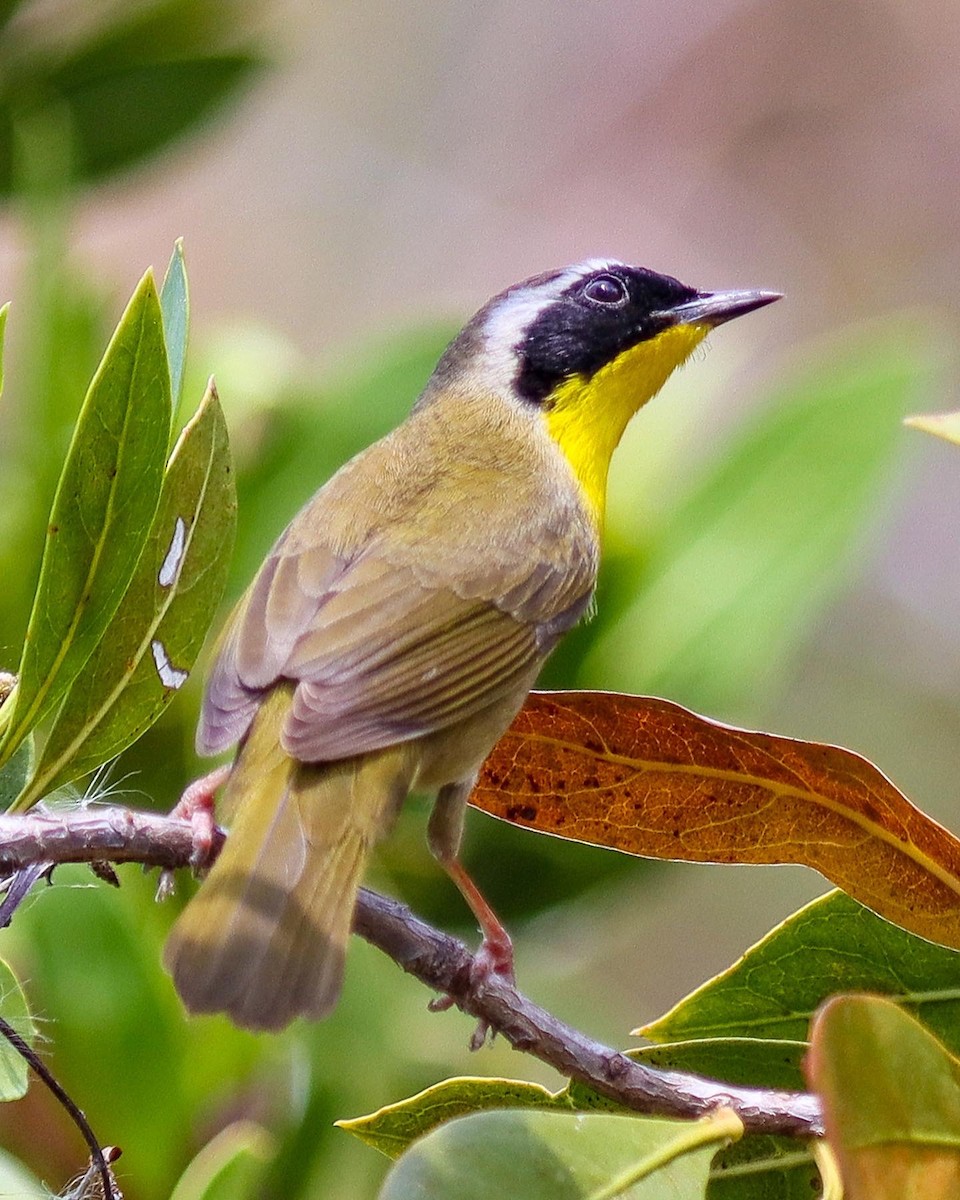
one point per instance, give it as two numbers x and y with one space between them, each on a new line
393 1128
68 328
891 1095
759 1166
561 1156
230 1167
754 1168
16 771
764 1167
152 642
739 567
14 1074
831 945
103 507
175 306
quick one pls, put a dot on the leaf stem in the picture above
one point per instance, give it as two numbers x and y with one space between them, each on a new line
73 1110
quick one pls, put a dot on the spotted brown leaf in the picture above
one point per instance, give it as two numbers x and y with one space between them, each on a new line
648 777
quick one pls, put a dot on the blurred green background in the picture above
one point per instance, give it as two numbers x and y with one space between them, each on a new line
352 181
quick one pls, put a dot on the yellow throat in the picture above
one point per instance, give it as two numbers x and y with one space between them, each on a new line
587 416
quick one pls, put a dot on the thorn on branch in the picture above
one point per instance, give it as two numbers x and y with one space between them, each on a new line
104 870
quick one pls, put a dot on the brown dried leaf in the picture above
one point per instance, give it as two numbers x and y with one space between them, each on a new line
648 777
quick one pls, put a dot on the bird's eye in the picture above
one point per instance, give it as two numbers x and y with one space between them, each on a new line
606 289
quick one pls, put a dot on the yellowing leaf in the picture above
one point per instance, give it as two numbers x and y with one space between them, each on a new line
891 1095
651 778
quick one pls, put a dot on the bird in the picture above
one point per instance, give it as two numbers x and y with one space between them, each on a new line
398 623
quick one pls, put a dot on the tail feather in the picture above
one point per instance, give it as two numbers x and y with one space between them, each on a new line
264 939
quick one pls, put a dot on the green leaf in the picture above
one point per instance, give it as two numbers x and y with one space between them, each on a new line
143 76
739 568
891 1095
167 99
175 306
68 332
561 1156
103 507
757 1167
763 1167
14 1010
16 1180
155 636
831 945
230 1167
15 773
393 1128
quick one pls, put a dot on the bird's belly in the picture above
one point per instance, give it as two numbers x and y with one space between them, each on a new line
457 752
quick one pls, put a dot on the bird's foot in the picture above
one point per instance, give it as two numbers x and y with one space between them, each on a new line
196 805
493 960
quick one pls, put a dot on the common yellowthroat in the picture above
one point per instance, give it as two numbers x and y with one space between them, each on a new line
398 623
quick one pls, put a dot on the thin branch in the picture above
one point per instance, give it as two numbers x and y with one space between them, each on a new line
111 833
436 959
444 963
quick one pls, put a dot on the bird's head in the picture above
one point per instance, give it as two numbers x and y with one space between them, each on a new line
583 348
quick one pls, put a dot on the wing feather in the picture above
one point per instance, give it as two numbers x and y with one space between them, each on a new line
392 623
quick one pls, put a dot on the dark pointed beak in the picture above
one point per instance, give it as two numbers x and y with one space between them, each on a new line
713 308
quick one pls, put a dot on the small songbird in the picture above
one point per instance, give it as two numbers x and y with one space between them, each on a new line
397 625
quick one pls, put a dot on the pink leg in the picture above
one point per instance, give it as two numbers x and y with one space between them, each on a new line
196 805
495 955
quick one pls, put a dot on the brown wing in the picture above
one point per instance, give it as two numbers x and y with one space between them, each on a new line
381 653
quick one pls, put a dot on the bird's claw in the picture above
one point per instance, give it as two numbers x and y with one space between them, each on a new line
196 805
494 958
